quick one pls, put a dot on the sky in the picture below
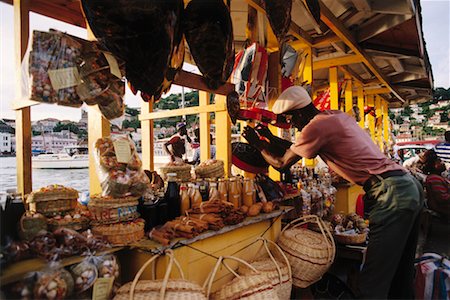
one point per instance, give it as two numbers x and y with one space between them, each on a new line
436 27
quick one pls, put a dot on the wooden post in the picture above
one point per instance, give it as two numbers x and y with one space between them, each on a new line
223 130
378 124
370 118
23 117
147 131
334 89
205 140
98 127
385 122
361 106
308 76
348 95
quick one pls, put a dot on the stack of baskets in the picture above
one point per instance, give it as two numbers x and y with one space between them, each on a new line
183 171
52 200
160 289
277 270
310 253
210 169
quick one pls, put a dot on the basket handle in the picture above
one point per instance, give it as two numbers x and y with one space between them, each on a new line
209 280
324 230
264 241
172 260
274 260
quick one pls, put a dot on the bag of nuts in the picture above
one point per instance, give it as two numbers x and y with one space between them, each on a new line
53 283
84 275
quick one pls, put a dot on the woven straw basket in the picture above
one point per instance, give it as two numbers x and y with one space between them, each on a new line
183 172
160 289
256 286
279 273
214 170
310 253
350 239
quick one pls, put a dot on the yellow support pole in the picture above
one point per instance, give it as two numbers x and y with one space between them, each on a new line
334 90
361 106
385 122
147 132
378 124
98 127
370 118
23 115
348 95
205 140
274 78
223 131
308 76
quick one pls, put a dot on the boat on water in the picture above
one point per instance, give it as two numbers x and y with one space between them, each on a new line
74 157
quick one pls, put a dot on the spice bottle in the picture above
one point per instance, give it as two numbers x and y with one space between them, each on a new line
213 192
172 197
196 198
185 201
234 192
223 189
248 192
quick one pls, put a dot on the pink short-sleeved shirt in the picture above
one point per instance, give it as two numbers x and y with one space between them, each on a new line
343 146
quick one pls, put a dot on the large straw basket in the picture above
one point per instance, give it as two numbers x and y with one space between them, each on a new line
255 286
160 289
108 210
121 233
350 239
213 170
310 253
278 271
183 172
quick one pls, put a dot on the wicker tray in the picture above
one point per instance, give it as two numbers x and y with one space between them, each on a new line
81 224
53 207
121 234
183 172
214 170
350 239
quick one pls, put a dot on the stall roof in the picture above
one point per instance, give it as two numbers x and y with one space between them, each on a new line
380 43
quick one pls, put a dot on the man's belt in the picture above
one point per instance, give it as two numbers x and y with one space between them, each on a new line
376 178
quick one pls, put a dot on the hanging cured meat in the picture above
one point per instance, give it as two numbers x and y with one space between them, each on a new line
209 34
146 34
279 14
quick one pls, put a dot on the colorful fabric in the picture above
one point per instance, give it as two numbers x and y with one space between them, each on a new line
343 146
438 191
432 277
443 151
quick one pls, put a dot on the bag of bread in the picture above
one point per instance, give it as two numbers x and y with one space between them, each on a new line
119 167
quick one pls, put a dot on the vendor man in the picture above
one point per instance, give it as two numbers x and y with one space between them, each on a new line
177 143
394 196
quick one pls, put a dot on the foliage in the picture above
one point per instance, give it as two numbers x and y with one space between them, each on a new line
72 127
399 120
441 94
131 124
131 111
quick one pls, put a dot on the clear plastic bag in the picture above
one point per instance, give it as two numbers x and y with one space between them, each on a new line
53 283
84 275
119 167
68 71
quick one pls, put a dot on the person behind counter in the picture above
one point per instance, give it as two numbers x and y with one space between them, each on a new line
177 143
437 187
196 157
393 196
443 149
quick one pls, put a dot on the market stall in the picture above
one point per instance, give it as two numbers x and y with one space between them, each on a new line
196 216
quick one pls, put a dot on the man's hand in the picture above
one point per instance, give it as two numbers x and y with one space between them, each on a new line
252 137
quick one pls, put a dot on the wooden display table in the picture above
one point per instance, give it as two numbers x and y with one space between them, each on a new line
346 196
198 255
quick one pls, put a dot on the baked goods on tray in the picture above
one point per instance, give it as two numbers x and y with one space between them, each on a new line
52 199
107 209
121 233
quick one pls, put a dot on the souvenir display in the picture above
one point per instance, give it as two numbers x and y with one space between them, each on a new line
119 167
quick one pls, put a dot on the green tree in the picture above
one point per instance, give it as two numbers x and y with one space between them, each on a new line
399 120
407 111
72 127
131 111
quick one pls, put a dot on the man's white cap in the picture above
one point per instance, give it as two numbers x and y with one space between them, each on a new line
294 97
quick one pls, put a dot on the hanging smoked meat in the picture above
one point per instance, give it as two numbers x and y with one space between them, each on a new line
146 34
279 14
209 34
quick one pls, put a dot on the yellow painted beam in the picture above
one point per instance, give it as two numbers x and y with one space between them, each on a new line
336 61
376 91
184 111
223 130
361 106
346 36
378 124
205 140
23 115
308 68
274 78
334 90
349 95
370 118
147 131
385 122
